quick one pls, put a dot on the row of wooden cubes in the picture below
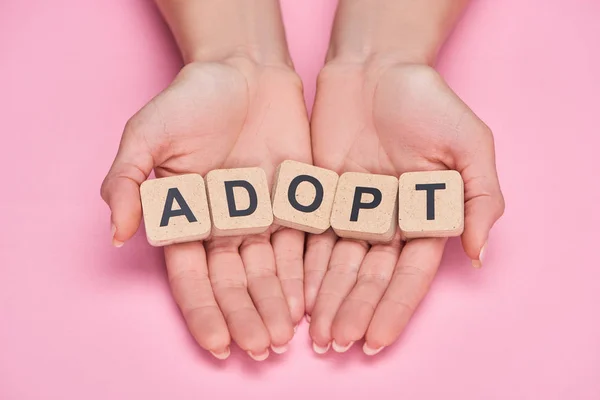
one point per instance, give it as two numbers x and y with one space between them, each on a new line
356 205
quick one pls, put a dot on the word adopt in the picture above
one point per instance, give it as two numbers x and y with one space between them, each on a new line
355 205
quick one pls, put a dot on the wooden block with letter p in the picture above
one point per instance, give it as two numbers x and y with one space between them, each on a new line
432 204
365 207
303 196
175 209
239 201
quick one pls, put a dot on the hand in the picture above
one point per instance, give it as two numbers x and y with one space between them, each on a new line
390 118
229 114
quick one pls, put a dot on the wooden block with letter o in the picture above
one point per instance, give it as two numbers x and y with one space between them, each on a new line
365 207
432 204
303 196
175 209
239 201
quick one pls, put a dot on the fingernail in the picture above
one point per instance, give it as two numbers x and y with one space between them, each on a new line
296 328
370 351
479 263
341 349
321 350
279 349
307 316
115 242
222 355
259 357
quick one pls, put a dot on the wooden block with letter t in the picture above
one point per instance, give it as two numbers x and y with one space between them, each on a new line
303 196
239 201
432 204
175 209
365 207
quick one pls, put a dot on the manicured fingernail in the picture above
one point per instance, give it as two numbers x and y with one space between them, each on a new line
479 263
279 349
321 350
341 349
259 357
307 316
370 351
222 355
115 242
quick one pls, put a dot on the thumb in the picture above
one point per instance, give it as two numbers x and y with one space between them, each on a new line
121 186
484 202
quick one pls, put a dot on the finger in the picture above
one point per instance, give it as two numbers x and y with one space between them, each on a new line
265 289
355 313
192 291
121 186
316 260
414 272
345 261
229 284
484 202
288 246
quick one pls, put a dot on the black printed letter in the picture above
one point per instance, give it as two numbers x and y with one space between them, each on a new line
357 203
184 209
318 195
431 188
233 211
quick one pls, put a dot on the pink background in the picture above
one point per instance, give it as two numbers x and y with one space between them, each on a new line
80 319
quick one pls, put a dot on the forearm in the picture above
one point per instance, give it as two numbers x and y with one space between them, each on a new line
398 30
209 30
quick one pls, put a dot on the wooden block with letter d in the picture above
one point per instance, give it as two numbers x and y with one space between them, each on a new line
365 207
175 209
432 204
239 201
303 196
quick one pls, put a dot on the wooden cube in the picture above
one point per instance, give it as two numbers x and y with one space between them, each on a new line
303 196
239 201
432 204
175 209
365 207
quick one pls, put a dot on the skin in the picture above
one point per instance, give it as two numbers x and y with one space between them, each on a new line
382 108
237 102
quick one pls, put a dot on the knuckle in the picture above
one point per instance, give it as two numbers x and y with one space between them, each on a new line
401 304
500 206
104 192
411 270
347 268
380 280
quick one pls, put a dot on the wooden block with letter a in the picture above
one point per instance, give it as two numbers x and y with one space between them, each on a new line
175 209
432 204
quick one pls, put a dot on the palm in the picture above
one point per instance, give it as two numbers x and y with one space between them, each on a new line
220 116
382 120
393 121
230 115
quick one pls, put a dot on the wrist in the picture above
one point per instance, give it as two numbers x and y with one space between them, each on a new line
256 53
216 30
383 56
392 31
